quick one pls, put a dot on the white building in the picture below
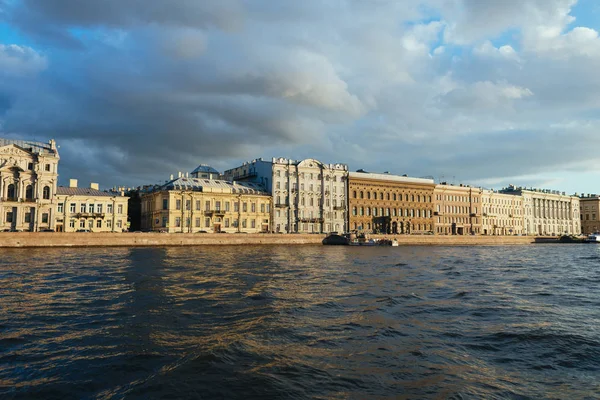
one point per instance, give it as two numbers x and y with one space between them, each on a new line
503 214
308 196
28 179
548 212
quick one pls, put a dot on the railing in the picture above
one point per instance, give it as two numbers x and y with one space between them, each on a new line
282 205
438 213
9 199
215 212
89 215
311 219
340 207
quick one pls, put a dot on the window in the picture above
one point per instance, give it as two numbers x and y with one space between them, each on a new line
120 208
82 208
91 208
47 167
82 223
253 223
30 166
245 207
11 191
197 222
44 218
27 217
268 207
243 223
177 222
361 195
236 206
278 184
99 223
368 195
99 208
207 222
354 211
262 208
72 223
226 222
119 224
188 221
61 207
197 205
29 192
178 204
165 204
109 224
164 222
207 205
109 208
188 206
72 208
354 194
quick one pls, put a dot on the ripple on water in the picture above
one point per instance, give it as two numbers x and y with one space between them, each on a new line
304 322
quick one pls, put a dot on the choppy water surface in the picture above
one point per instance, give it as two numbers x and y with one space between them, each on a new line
301 322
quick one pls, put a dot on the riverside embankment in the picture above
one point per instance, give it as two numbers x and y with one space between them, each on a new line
50 239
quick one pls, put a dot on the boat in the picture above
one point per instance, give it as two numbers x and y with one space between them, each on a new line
593 238
333 239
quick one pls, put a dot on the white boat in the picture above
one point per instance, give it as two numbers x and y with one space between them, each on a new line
593 238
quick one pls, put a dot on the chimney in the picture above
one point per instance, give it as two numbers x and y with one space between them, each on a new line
72 183
94 186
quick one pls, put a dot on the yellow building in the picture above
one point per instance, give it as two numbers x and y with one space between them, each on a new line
457 210
89 209
28 180
590 213
502 214
194 205
386 203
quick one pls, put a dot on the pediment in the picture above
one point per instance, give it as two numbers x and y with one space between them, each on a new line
14 150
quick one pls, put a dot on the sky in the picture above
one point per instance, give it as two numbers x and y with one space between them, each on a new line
487 93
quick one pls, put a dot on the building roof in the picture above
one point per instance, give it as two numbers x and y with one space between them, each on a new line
71 191
200 185
389 177
29 145
205 168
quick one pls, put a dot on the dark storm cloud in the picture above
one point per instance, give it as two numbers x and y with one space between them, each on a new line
136 90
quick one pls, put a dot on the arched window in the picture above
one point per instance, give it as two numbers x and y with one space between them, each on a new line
10 193
29 192
354 194
406 197
362 195
394 196
312 202
380 196
375 195
47 192
374 211
419 198
388 196
362 211
368 195
353 210
368 211
412 197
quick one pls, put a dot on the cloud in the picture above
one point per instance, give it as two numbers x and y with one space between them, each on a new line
140 89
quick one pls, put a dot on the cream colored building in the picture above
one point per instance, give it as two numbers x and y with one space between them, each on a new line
502 214
547 212
89 209
457 210
28 180
308 196
590 213
189 205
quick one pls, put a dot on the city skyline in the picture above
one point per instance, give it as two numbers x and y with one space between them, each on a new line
481 93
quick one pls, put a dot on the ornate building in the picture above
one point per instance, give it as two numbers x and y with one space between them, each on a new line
89 209
195 205
308 196
502 214
547 212
28 180
457 210
385 203
590 213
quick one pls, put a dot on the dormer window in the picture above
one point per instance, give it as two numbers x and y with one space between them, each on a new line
47 167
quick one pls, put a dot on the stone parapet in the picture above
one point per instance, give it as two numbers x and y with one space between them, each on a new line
50 239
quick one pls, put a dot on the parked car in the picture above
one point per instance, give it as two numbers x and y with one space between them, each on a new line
82 230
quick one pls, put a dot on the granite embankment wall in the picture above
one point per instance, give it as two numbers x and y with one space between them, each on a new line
49 239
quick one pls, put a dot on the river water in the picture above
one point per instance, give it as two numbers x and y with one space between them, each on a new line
301 322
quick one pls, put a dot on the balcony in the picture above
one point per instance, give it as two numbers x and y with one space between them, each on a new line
474 215
249 174
304 219
282 205
89 215
340 207
438 213
10 199
215 212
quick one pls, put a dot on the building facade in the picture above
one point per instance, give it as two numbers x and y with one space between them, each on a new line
308 196
457 210
206 205
590 213
89 209
502 214
28 181
548 212
390 204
